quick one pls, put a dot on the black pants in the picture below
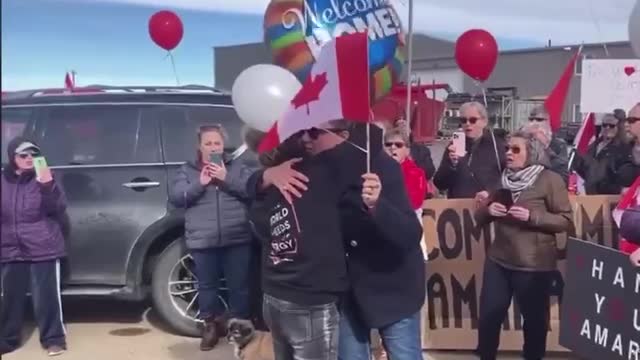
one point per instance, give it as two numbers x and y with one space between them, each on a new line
42 279
532 293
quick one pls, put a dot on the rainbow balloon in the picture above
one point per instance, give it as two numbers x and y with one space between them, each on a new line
295 31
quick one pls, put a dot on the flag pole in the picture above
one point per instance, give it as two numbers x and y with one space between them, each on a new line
409 65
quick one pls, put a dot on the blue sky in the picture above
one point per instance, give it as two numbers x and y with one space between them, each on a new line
106 41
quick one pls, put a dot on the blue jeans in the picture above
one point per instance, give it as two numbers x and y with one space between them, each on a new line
302 332
234 263
401 339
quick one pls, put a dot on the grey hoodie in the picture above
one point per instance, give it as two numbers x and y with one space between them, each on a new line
215 215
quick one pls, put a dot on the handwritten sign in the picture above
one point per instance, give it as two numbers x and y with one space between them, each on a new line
609 84
601 308
457 250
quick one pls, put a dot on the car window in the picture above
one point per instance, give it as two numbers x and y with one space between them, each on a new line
98 135
14 123
180 127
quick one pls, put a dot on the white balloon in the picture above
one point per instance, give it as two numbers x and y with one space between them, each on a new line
634 28
262 93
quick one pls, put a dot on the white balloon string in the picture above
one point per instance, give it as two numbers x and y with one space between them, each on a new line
173 65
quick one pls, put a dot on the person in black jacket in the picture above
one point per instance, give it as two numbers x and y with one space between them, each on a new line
303 263
382 238
478 172
629 170
598 166
556 147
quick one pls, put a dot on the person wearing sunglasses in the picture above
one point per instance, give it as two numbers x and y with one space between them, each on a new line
629 170
598 165
31 249
557 148
396 144
380 237
530 209
476 173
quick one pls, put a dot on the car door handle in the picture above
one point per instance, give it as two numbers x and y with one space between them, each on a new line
141 184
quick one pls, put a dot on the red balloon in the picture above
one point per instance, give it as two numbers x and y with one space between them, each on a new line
477 53
165 29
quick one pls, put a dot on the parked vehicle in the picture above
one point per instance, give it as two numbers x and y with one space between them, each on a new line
114 150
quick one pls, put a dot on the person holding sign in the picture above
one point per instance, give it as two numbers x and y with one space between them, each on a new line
530 209
33 206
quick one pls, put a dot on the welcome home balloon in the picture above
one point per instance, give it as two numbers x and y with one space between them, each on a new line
296 31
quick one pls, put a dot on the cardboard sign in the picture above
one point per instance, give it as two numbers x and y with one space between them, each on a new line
457 249
601 305
609 84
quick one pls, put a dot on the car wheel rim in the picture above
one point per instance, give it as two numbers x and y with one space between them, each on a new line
183 289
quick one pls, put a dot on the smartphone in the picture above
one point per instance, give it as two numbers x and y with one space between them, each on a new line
215 158
504 197
39 163
459 141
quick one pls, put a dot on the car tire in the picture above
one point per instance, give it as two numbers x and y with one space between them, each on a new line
162 299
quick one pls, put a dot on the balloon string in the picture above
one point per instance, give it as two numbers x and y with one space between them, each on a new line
173 65
484 96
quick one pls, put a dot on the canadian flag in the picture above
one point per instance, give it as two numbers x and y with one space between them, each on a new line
337 88
630 198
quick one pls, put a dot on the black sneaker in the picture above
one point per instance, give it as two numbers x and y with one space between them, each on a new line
210 336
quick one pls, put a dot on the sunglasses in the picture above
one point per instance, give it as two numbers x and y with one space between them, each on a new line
514 149
398 144
632 120
314 133
537 119
610 126
28 154
470 120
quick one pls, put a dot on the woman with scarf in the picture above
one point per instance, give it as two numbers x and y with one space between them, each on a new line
530 209
33 220
212 190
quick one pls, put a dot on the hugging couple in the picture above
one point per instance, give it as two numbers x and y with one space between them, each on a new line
340 247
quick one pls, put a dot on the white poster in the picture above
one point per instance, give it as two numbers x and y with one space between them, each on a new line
609 84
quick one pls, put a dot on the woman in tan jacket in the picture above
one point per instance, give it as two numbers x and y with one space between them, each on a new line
528 212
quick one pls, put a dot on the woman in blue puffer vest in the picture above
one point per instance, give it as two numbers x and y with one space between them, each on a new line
32 245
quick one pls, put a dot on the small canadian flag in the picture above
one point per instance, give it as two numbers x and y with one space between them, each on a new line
337 88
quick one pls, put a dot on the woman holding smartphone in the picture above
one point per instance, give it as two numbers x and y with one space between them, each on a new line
33 209
212 190
521 261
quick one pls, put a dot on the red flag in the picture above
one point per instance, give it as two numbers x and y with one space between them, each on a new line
630 198
586 135
69 81
556 99
337 88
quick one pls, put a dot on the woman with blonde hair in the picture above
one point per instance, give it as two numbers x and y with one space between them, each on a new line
212 190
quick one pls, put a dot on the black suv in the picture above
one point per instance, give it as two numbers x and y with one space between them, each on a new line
115 150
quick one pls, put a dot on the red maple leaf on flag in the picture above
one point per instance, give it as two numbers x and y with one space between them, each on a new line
310 91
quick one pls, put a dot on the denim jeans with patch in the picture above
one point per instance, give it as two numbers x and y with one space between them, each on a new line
302 332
